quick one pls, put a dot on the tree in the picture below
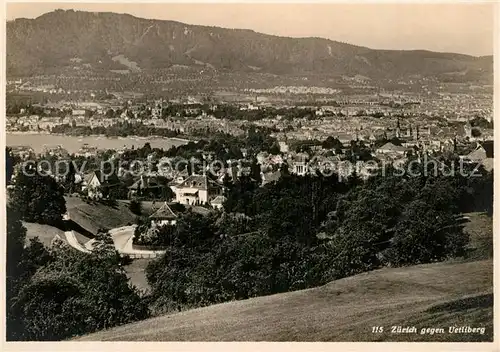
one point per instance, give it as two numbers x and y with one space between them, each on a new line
38 198
178 207
396 141
302 232
145 150
110 113
77 293
69 180
481 122
9 165
255 171
22 263
332 143
167 193
285 169
16 237
136 207
60 295
275 149
426 235
475 132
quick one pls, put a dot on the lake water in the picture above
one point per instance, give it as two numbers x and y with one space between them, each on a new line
73 143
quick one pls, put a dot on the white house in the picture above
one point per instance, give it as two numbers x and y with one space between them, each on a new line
197 189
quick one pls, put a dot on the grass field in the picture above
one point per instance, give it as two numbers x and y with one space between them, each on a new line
426 296
45 233
147 206
93 216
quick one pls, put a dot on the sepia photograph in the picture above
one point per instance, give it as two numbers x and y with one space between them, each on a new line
249 172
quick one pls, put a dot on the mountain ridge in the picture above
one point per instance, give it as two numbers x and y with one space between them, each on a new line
253 31
53 39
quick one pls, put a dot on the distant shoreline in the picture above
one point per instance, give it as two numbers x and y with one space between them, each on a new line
73 143
185 140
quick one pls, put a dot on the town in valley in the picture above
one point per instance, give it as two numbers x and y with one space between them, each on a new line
168 181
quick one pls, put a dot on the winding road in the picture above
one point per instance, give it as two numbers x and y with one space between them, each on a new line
122 239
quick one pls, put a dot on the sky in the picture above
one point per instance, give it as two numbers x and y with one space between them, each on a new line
460 27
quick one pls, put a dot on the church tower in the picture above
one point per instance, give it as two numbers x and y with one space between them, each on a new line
398 129
468 129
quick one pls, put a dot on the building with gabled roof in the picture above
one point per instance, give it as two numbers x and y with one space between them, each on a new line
218 202
390 148
163 216
197 189
483 154
147 186
99 185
